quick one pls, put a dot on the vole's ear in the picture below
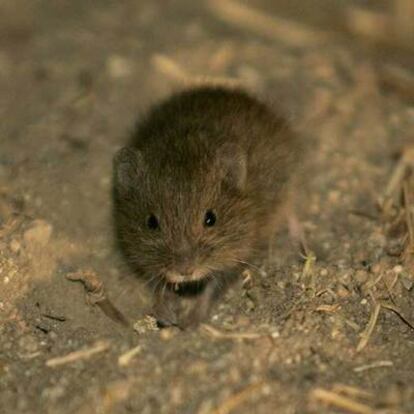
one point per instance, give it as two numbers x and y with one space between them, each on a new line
233 165
128 168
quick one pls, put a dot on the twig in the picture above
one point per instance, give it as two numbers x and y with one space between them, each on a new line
397 312
408 204
125 358
351 324
170 68
174 71
339 401
57 318
364 214
378 364
240 398
96 295
100 346
215 333
310 260
352 391
275 28
372 284
328 308
93 285
393 185
392 29
392 286
370 328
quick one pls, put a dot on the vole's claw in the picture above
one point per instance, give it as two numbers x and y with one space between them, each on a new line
166 323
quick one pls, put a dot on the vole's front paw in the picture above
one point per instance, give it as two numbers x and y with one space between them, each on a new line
183 317
165 323
165 314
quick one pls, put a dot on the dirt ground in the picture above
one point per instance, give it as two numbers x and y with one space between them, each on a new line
330 335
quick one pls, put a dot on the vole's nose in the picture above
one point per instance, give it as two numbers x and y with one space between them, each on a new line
184 267
184 258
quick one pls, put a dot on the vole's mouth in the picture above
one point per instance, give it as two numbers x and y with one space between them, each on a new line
188 288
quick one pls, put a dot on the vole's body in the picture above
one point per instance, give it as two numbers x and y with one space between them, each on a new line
198 190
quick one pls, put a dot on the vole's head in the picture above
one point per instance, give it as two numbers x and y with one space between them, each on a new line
185 215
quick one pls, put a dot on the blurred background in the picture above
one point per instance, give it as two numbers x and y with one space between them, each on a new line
328 335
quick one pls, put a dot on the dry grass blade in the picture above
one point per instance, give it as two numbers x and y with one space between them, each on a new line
397 312
378 364
175 72
328 308
275 28
398 206
392 29
99 347
352 391
310 260
339 401
240 398
215 333
170 68
370 328
393 187
125 358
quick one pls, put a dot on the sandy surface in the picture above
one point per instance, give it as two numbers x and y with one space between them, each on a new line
73 79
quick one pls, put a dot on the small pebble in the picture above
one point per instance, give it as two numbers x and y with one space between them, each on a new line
168 333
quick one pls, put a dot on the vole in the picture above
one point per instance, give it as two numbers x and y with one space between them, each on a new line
197 193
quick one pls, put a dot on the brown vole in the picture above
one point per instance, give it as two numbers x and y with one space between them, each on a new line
198 191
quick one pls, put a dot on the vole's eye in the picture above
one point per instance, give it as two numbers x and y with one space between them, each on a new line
152 222
209 218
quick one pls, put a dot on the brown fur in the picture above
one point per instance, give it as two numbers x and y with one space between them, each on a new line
209 148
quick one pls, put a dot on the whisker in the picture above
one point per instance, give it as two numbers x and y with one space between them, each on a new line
160 280
213 275
151 279
164 287
248 264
